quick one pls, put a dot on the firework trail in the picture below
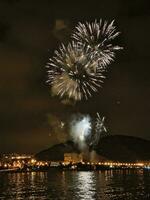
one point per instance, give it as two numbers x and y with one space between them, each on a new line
73 74
98 37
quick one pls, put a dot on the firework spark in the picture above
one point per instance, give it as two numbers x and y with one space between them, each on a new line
98 37
73 73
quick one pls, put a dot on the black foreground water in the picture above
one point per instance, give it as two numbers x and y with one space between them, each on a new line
76 185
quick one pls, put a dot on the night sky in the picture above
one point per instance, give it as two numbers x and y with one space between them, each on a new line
30 30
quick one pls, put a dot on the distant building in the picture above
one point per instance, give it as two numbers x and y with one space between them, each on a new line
15 160
73 157
15 156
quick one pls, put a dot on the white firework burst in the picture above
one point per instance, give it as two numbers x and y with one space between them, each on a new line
98 37
73 73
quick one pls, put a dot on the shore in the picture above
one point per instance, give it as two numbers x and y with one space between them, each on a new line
77 167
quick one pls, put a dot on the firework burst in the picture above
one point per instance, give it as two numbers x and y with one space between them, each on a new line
73 73
98 37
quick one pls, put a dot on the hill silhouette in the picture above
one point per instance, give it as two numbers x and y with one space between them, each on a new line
114 147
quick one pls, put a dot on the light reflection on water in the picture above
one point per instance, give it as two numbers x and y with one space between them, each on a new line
73 185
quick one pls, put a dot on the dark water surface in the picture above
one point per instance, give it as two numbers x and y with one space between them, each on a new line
73 185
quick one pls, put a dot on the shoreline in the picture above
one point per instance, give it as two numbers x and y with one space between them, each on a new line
82 168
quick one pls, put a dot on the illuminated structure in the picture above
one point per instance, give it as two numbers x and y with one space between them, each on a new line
15 160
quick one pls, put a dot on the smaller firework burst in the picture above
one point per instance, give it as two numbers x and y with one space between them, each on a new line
73 73
98 37
99 132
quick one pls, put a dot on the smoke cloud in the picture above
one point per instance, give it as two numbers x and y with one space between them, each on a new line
80 130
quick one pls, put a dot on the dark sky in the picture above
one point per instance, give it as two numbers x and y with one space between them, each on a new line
30 30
